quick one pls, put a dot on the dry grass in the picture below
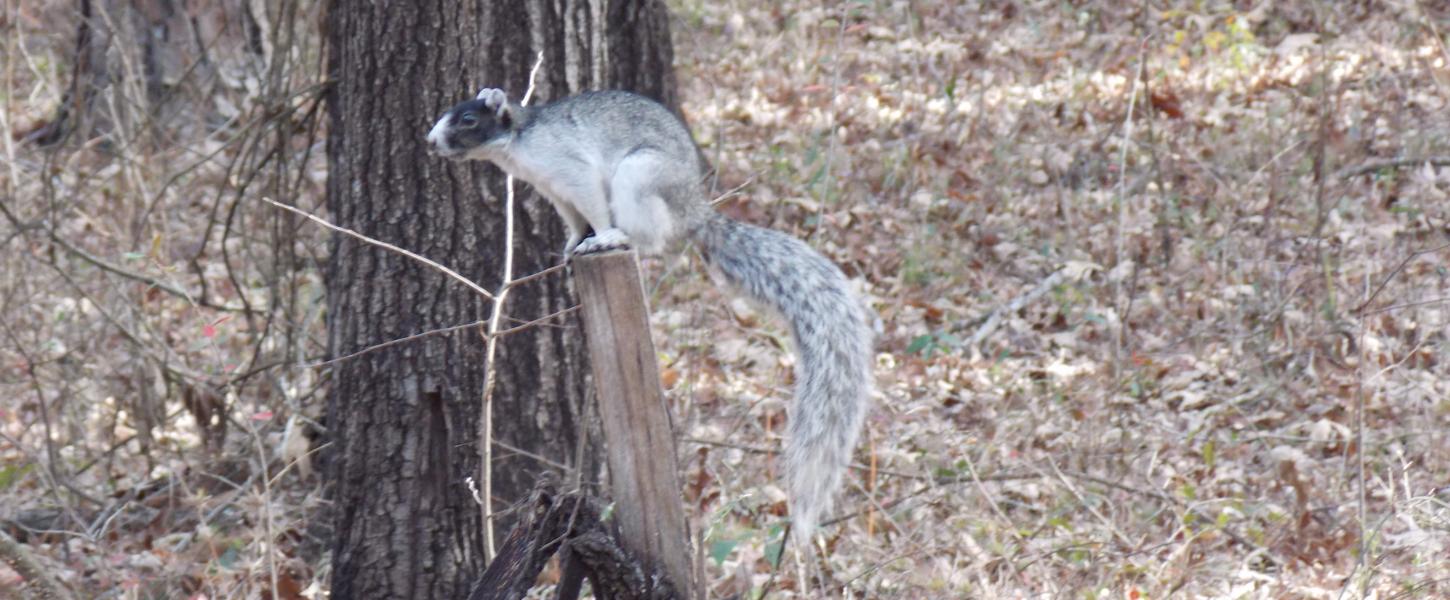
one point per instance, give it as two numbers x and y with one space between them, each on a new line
1224 374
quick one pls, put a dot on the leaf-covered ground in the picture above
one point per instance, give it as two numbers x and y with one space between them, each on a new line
1155 322
1164 296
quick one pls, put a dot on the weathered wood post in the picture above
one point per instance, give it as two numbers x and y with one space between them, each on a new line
643 475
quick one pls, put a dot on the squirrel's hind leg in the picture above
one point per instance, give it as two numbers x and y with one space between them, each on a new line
640 193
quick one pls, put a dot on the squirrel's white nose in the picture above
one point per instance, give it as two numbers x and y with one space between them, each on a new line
435 136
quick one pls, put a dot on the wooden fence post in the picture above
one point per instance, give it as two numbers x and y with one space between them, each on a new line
643 474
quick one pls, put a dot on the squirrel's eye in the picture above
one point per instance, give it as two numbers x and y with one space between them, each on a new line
468 119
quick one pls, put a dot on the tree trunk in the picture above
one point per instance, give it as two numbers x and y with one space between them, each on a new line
403 420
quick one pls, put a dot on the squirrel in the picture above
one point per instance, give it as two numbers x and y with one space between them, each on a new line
627 167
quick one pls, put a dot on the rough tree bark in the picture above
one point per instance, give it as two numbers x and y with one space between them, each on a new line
403 420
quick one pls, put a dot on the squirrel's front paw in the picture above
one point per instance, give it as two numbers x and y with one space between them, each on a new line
493 98
602 241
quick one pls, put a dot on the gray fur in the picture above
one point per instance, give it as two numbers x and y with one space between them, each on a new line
627 167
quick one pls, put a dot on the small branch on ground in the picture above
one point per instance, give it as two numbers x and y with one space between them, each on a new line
1358 310
1393 163
38 577
993 320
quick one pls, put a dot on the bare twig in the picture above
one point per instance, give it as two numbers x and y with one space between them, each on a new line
268 519
445 330
108 267
1392 163
491 375
1395 307
442 269
1400 267
993 319
1072 489
527 278
1123 200
15 555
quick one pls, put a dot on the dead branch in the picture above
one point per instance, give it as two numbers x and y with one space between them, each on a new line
446 330
39 578
993 320
1393 273
108 267
1393 163
381 244
571 524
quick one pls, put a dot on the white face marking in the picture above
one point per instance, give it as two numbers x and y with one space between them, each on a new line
435 136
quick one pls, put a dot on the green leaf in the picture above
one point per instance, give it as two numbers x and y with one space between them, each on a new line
775 550
919 344
721 549
228 558
9 475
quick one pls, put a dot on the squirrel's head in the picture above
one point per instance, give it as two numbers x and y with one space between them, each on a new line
467 130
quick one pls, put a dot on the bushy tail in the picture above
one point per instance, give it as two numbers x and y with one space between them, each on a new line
833 344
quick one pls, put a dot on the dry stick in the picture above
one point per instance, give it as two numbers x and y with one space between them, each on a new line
475 287
1393 163
491 336
1360 401
1363 512
490 377
433 332
528 278
1395 307
103 265
994 319
267 517
1123 201
934 485
1400 267
38 576
1112 527
445 270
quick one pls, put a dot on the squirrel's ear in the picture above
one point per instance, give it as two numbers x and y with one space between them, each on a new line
495 99
506 116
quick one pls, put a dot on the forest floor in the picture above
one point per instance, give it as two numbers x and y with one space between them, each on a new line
1164 301
1160 318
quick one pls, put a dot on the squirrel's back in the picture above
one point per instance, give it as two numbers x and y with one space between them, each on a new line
616 118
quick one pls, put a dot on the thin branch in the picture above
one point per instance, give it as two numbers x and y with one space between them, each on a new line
445 330
1122 224
490 376
528 278
103 265
445 270
735 191
41 581
1393 163
993 319
1395 273
1395 307
892 503
1072 489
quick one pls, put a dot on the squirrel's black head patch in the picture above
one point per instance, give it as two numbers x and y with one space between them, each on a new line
468 126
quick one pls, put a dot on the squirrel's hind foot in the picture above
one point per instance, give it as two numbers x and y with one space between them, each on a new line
602 241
